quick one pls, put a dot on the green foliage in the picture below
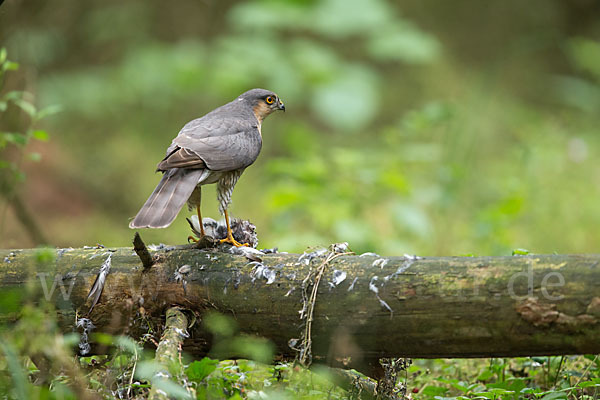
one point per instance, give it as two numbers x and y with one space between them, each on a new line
520 252
518 378
243 379
35 337
197 371
45 255
12 142
128 370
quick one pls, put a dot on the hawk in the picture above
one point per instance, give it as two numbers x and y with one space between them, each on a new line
215 148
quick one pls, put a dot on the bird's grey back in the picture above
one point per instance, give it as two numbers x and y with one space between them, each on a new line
227 138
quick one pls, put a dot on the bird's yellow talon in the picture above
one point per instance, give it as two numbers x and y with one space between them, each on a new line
229 239
233 242
192 239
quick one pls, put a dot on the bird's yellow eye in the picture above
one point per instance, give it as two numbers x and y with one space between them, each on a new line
270 100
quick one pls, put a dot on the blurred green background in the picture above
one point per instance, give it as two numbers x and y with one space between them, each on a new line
415 126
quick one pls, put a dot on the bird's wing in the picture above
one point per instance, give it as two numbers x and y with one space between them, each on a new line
226 153
181 157
217 142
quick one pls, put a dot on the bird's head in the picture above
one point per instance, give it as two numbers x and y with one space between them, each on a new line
263 102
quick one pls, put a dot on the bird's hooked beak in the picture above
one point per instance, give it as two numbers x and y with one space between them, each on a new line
280 106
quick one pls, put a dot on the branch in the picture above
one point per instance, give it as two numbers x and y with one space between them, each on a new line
168 352
142 251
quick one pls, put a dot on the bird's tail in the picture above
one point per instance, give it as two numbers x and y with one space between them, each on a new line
168 198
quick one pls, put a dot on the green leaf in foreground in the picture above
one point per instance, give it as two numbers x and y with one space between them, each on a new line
555 395
520 252
40 135
172 389
44 255
198 370
434 391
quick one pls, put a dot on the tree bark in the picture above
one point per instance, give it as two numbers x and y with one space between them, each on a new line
383 307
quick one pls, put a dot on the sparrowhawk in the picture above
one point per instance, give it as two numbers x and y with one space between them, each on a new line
216 148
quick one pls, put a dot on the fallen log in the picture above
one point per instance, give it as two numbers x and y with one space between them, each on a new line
366 307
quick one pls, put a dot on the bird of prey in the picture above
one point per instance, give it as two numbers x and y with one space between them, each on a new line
215 148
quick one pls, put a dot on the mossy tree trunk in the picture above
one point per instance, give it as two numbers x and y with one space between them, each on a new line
365 307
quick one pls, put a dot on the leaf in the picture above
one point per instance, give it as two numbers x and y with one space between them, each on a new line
146 369
15 138
45 255
26 106
19 379
586 384
20 176
47 111
219 324
403 43
128 344
3 55
434 391
455 383
352 98
529 390
13 95
171 388
10 301
337 19
103 338
577 92
520 252
495 393
485 375
586 54
40 135
254 348
198 370
555 395
10 66
71 339
35 157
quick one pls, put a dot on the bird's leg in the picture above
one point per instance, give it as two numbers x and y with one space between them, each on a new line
200 220
202 234
229 238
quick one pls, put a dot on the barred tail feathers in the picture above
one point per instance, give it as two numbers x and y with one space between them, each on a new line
168 198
